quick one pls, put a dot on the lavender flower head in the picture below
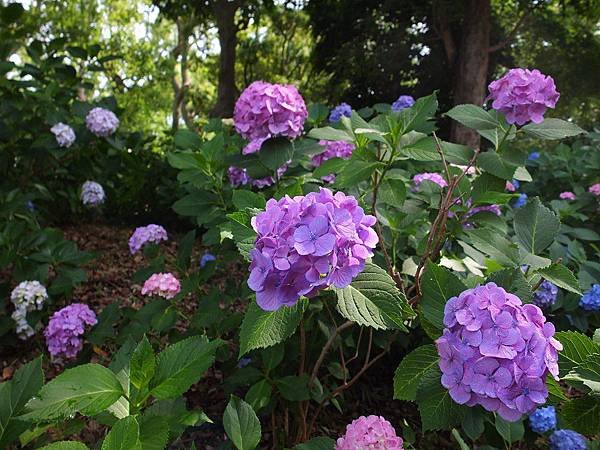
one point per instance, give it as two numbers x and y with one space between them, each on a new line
163 285
496 352
101 122
341 110
567 195
523 95
543 419
143 235
590 301
92 193
308 243
403 102
206 258
567 440
429 176
65 136
239 177
545 295
595 189
333 149
27 296
370 432
266 110
65 329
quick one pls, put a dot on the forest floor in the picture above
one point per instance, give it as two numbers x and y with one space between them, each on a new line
109 280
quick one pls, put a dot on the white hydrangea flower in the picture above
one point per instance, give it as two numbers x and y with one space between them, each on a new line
27 296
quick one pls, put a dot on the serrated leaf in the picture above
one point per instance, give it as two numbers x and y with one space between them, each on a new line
513 281
472 423
182 364
142 365
392 192
588 372
330 134
354 172
438 285
510 431
243 198
276 152
88 389
154 432
577 347
561 276
438 410
293 388
124 435
497 246
65 445
259 394
552 129
536 226
582 414
416 117
473 117
318 443
261 329
241 424
411 370
555 393
373 300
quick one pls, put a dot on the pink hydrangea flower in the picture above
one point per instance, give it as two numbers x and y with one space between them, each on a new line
266 110
163 285
369 433
510 187
567 195
523 95
595 189
430 176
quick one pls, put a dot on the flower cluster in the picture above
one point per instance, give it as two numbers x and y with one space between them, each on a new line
567 440
307 243
267 110
590 301
92 193
494 209
370 432
65 136
403 102
142 235
27 296
546 294
496 352
523 95
239 177
567 195
333 149
341 110
66 326
101 122
595 189
543 419
162 284
520 201
534 156
430 176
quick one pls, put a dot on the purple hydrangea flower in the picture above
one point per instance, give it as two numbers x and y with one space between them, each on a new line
206 257
523 95
546 294
494 209
496 352
403 102
65 329
567 440
370 432
65 136
429 176
341 110
142 235
333 149
239 177
520 201
595 189
590 301
307 243
543 419
266 110
101 122
567 195
92 193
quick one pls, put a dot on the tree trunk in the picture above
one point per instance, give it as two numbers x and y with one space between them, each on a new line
224 11
472 65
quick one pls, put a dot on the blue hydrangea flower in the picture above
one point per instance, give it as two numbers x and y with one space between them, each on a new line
403 102
533 156
591 299
520 202
545 295
516 183
343 109
206 258
243 362
567 440
30 206
543 419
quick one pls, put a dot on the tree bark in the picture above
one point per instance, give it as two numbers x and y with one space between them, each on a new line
224 11
472 65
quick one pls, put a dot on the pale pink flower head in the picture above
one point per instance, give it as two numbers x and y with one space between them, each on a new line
369 433
162 285
567 195
595 189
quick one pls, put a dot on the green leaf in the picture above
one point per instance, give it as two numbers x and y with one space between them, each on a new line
186 139
183 160
496 164
514 281
318 443
333 165
261 329
154 432
561 276
555 394
438 410
416 117
193 205
536 226
392 192
411 370
552 129
65 445
276 152
577 347
373 300
330 134
241 231
355 172
486 183
438 286
473 117
259 394
104 329
124 435
293 388
510 431
88 389
243 198
142 365
497 246
461 442
182 364
241 424
588 372
472 423
582 415
425 149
